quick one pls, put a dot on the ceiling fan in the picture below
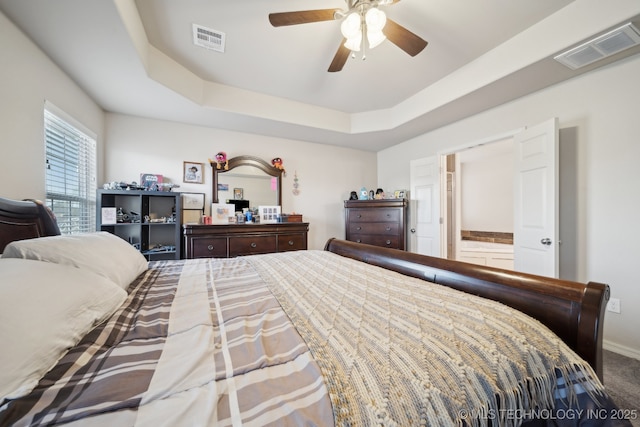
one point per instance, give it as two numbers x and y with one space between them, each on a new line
362 20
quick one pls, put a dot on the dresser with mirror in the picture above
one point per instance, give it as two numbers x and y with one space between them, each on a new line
246 180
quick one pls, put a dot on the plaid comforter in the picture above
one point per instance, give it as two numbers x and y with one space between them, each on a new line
199 342
211 342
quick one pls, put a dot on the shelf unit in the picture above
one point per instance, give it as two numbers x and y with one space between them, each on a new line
143 225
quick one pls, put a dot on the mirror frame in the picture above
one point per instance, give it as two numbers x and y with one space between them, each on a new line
245 161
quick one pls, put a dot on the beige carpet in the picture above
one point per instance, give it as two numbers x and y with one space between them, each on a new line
622 381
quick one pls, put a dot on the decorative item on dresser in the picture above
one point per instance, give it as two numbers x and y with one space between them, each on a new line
149 220
231 240
377 222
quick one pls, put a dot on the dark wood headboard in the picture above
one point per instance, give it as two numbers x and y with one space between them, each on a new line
574 311
25 219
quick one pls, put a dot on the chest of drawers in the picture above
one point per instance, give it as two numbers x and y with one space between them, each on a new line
226 241
377 222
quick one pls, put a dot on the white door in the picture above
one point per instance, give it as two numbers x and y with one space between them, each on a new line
536 200
424 207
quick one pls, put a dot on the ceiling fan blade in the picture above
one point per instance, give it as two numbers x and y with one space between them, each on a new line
403 38
340 58
281 19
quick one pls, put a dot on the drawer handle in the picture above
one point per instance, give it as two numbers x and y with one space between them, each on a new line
254 245
359 215
210 247
388 228
358 241
388 215
358 228
388 242
290 242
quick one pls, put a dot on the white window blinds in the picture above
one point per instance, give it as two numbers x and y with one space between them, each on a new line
70 174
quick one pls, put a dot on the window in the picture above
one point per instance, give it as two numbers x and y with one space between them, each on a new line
70 155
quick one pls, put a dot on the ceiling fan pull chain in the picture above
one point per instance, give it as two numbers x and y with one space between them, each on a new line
364 42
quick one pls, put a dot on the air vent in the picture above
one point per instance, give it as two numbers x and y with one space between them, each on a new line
208 38
601 47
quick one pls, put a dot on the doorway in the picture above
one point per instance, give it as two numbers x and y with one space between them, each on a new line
477 203
536 239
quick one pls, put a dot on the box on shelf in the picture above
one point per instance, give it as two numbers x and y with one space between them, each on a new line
291 217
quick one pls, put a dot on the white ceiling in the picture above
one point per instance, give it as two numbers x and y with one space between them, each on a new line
138 57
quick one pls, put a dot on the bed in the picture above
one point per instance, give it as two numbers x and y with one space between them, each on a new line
352 335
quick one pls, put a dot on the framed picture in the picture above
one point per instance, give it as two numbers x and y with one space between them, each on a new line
193 172
223 187
269 214
221 212
192 201
238 193
109 216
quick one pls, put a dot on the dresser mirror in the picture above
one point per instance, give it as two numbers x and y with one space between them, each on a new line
259 182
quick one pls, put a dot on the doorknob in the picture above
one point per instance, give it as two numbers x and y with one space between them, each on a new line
546 241
413 230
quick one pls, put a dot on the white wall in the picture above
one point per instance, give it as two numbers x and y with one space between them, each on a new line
326 174
27 79
600 127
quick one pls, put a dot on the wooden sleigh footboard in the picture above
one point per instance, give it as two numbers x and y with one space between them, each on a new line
574 311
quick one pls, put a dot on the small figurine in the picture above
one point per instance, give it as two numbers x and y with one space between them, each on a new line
221 159
379 194
364 194
353 195
277 163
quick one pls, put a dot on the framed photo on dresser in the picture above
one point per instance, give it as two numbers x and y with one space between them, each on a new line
269 214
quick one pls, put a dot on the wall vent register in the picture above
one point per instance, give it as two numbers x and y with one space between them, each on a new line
608 44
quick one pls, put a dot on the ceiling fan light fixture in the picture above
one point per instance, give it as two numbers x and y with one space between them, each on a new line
351 29
351 25
361 19
354 43
375 38
375 19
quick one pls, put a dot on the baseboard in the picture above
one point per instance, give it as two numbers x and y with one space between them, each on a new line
621 349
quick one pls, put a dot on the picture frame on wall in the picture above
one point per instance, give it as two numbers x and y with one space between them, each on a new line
238 194
193 172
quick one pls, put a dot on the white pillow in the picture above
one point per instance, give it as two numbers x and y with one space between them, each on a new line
45 309
102 253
